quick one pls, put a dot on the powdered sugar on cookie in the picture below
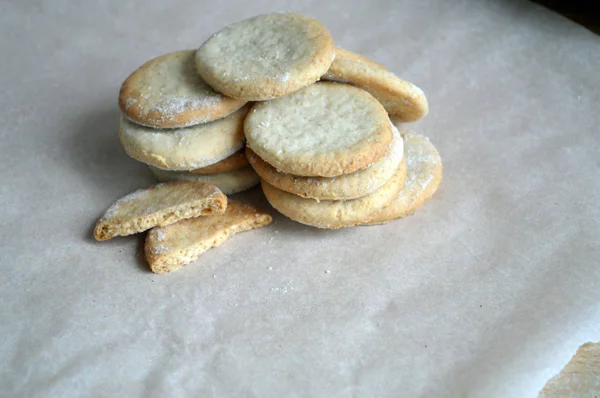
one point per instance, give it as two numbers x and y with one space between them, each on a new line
186 148
266 56
167 92
423 176
162 204
326 129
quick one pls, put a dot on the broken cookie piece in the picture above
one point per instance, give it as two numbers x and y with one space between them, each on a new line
171 247
160 205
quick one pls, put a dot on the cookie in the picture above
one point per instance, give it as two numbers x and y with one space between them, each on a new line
579 378
401 99
349 55
267 56
230 182
186 148
160 205
325 130
168 248
334 214
231 163
167 92
346 186
423 176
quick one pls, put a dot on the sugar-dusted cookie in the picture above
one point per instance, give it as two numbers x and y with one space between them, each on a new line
167 92
423 176
230 182
230 163
162 204
325 129
186 148
266 56
346 186
168 248
334 214
401 99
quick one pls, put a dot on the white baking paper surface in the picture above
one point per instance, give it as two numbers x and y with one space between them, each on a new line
486 292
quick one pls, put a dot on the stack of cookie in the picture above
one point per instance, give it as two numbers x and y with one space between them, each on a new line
327 152
182 128
316 120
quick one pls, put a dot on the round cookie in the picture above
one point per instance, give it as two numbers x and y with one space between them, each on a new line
423 176
346 186
229 183
167 92
401 99
186 148
231 163
334 214
267 56
347 54
325 130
